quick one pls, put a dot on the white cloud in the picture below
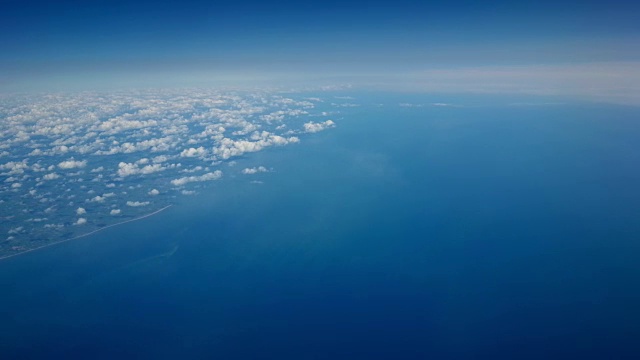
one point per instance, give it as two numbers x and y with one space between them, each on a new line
51 176
312 127
81 211
85 139
254 170
160 159
193 152
229 148
115 212
122 123
195 169
127 169
16 230
14 167
81 221
72 164
137 203
206 177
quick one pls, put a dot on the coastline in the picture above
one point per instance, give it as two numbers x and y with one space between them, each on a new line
87 234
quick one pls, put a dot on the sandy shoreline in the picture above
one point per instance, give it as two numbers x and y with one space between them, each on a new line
87 234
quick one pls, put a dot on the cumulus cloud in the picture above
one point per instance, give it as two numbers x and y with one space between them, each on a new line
259 140
137 203
192 170
127 169
16 230
86 140
72 164
81 211
254 170
14 167
206 177
122 123
51 176
160 159
193 152
81 221
312 127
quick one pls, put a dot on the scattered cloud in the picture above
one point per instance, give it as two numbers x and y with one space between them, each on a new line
51 176
193 152
63 150
228 148
254 170
127 169
137 203
72 164
206 177
312 127
16 230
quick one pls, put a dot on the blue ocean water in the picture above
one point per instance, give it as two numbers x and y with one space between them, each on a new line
485 231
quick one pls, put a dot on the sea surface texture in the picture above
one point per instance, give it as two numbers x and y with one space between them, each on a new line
414 227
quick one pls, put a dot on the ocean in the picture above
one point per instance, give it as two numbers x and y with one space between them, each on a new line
476 228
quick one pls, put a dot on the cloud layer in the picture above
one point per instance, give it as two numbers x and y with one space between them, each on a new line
89 158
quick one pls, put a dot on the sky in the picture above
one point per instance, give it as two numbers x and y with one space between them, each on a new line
135 43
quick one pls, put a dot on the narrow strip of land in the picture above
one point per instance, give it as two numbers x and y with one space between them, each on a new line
85 235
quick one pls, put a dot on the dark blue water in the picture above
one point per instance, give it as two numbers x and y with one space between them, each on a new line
485 232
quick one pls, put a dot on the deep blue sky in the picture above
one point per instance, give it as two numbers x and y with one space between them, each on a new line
71 38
